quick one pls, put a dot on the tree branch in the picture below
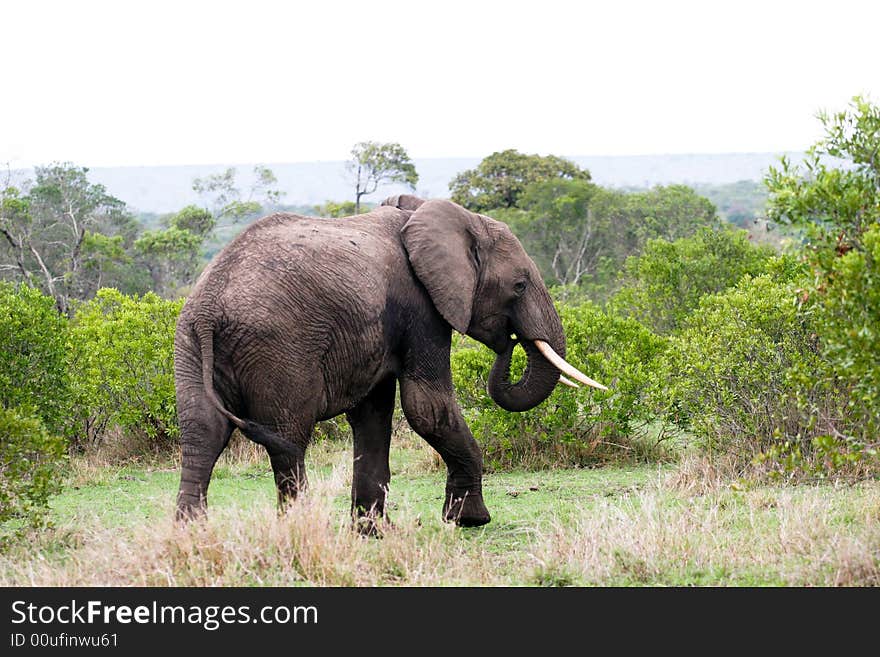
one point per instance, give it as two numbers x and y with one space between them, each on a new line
50 282
18 249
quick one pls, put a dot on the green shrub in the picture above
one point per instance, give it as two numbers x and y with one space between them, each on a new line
833 198
571 427
121 361
33 371
731 375
30 460
665 283
847 313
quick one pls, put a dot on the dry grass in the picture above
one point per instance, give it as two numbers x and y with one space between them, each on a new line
794 536
250 546
690 527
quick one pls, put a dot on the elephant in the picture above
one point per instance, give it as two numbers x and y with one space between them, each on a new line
300 319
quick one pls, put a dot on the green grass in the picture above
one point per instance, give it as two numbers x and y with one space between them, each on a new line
630 525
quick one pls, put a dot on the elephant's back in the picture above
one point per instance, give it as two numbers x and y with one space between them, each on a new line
296 265
317 290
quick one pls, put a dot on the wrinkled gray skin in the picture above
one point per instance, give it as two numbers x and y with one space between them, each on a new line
300 319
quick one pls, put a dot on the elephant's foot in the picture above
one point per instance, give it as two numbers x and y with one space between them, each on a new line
190 508
371 525
370 520
465 508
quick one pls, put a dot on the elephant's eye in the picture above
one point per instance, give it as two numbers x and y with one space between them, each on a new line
519 287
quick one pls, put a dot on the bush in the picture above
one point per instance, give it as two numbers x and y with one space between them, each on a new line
33 371
665 283
732 376
847 310
121 361
838 397
571 428
30 460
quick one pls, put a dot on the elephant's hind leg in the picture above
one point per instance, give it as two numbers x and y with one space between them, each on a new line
371 424
204 434
288 465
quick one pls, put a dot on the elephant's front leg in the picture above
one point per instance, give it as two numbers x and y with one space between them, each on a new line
430 408
371 424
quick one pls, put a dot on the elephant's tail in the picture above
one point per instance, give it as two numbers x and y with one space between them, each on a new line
257 432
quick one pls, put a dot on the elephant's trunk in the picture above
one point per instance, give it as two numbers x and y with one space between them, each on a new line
536 319
537 382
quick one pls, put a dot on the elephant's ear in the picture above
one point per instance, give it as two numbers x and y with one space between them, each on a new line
404 202
440 241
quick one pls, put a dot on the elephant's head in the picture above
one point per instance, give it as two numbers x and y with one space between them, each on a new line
485 285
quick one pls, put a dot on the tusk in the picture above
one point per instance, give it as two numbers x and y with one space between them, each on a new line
568 382
560 364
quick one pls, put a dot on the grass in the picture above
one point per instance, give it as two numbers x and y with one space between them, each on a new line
612 526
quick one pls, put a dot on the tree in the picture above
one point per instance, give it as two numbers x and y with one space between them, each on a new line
837 199
226 199
580 234
559 224
670 212
373 164
665 283
500 179
173 254
834 197
334 209
47 231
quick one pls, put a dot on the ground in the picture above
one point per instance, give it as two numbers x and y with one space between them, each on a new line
610 526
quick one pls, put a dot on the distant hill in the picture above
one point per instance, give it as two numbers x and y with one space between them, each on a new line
168 188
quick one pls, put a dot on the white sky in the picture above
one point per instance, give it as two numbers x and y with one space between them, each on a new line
155 82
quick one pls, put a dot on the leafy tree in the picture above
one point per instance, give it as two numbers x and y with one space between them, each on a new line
227 201
173 254
835 197
108 262
669 212
30 460
46 230
500 179
580 234
121 366
728 375
373 164
664 284
334 209
561 227
741 203
33 367
35 402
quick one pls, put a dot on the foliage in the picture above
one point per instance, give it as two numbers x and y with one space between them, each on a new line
730 376
229 202
570 428
374 163
845 309
500 179
670 212
739 203
825 455
665 283
835 203
46 231
121 363
33 374
560 227
30 461
172 255
341 209
580 234
835 197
